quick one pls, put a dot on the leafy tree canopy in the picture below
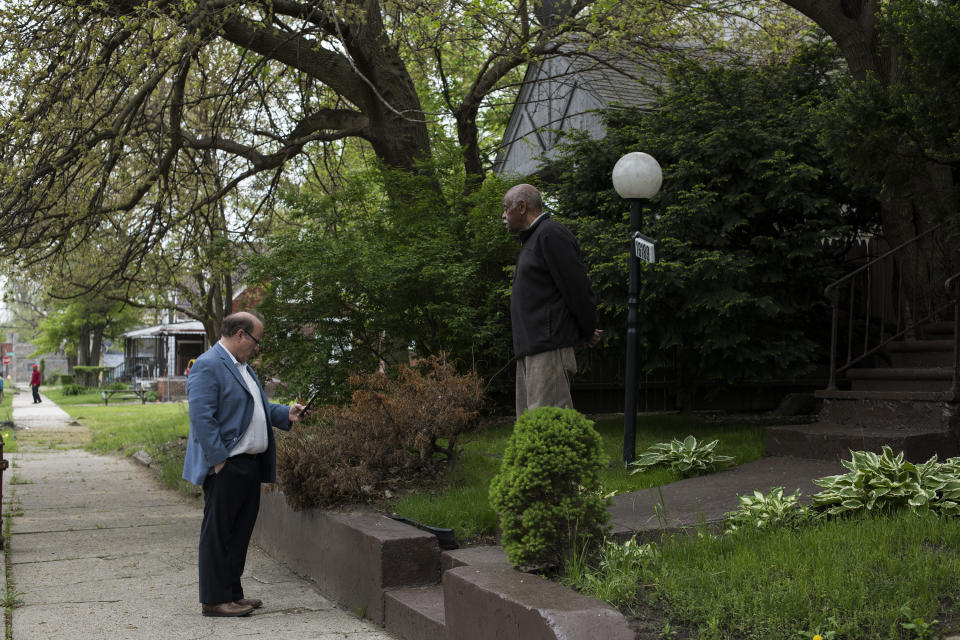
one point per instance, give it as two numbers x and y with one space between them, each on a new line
366 280
116 112
895 128
81 324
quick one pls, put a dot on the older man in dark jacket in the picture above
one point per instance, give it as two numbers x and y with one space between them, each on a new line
552 305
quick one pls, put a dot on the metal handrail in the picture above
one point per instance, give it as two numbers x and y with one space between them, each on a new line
888 329
856 272
952 285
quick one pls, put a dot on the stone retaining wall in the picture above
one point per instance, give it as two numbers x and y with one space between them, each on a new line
390 572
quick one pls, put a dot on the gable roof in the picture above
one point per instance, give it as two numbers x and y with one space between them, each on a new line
562 93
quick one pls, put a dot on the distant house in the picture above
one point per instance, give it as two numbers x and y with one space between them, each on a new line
163 350
563 93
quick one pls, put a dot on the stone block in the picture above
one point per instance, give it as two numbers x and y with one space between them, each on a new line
351 556
415 613
472 556
484 602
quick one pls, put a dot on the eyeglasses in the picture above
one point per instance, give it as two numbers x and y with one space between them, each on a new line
252 338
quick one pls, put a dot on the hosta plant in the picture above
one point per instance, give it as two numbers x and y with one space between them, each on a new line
887 482
687 457
623 569
764 511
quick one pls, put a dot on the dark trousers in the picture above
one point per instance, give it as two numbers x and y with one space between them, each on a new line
36 392
231 502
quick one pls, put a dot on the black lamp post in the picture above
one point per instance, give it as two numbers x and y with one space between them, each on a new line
636 177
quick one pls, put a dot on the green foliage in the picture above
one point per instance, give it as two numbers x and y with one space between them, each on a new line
462 502
547 490
366 279
66 378
687 457
762 511
78 319
73 389
886 482
150 396
922 630
747 203
874 120
622 570
847 575
90 375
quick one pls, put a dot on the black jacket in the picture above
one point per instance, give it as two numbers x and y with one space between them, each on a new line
552 304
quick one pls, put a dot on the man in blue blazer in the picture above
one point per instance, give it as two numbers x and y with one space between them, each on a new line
231 450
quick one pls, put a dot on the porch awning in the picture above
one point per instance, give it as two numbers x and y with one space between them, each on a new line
194 327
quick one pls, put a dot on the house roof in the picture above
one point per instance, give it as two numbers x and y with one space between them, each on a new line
613 80
193 327
564 92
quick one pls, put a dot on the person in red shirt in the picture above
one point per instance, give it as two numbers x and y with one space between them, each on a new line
35 383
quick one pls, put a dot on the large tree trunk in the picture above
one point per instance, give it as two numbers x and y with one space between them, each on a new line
83 346
916 192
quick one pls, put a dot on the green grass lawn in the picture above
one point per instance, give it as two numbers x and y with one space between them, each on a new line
160 429
854 578
462 503
6 411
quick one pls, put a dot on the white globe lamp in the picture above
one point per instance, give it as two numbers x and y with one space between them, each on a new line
637 175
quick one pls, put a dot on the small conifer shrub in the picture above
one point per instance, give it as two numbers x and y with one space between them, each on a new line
548 492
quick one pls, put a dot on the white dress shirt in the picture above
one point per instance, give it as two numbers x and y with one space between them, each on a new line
254 440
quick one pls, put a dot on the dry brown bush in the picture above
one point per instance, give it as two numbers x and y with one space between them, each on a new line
388 436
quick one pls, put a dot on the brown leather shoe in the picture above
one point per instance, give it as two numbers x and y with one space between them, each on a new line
250 602
226 610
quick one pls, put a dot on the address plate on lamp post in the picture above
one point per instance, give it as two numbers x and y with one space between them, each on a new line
644 247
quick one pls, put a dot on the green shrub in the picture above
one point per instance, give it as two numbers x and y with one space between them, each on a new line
622 571
687 457
117 386
150 396
73 389
759 511
548 491
90 374
65 379
886 482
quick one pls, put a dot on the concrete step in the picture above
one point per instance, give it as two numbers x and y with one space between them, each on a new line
415 613
901 379
900 396
937 330
482 596
486 556
921 353
828 441
486 602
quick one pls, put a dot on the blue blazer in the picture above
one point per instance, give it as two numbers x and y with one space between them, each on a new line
220 411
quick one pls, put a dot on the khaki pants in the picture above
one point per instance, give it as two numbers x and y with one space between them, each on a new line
543 379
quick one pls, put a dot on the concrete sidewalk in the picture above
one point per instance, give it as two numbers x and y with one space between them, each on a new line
100 550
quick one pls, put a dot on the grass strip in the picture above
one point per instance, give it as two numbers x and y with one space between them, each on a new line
6 415
160 429
849 577
461 501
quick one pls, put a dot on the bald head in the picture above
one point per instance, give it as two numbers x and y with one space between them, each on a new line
240 334
522 205
242 320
